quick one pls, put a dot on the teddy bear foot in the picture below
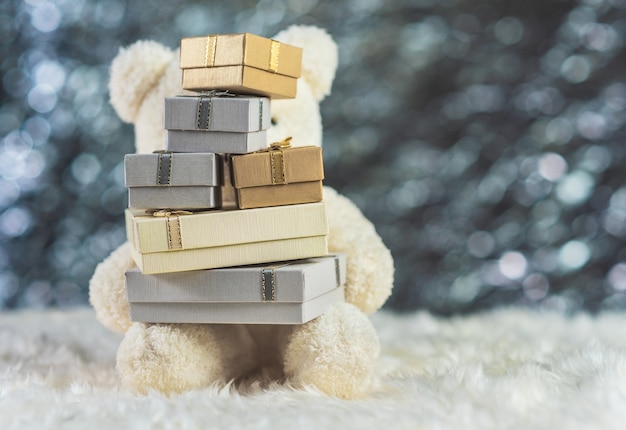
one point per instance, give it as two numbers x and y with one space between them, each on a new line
173 358
335 352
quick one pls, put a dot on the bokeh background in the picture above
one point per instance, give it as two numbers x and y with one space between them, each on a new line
485 140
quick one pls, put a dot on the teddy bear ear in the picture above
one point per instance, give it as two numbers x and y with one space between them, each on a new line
134 71
319 56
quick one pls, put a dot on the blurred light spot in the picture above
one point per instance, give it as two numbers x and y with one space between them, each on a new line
38 128
9 193
596 159
34 165
552 166
42 98
617 277
16 82
480 244
576 69
591 125
49 73
509 30
599 37
86 168
536 286
16 145
559 131
194 19
109 13
574 255
9 284
301 7
575 187
37 294
15 221
512 265
46 17
465 288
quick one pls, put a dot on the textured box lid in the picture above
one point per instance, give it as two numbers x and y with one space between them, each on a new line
241 49
231 255
228 112
236 313
241 80
278 166
172 169
221 142
293 281
223 227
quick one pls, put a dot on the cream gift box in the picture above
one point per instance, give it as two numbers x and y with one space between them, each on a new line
243 63
280 293
279 176
173 180
217 112
171 241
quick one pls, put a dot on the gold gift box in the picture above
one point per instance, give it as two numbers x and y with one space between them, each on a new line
278 176
242 63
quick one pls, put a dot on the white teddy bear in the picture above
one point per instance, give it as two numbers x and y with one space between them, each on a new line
335 352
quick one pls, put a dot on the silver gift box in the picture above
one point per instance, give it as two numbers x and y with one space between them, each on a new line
228 112
168 180
280 293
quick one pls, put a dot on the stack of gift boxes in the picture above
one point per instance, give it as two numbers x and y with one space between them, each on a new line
224 227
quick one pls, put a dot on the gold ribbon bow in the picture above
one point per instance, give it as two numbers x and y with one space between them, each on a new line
174 234
277 160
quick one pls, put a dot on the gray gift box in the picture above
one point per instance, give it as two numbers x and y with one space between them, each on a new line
221 112
281 293
166 180
221 142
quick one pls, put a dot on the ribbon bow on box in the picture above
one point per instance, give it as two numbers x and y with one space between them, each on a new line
174 234
277 160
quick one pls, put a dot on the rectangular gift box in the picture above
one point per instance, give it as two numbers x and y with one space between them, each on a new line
243 63
220 142
173 180
174 241
217 112
291 281
236 313
279 176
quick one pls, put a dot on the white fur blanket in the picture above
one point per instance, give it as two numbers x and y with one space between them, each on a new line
505 369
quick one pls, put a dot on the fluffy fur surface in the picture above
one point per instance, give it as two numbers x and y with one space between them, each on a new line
505 369
337 352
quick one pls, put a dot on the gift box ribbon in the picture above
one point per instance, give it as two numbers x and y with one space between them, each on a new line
173 229
268 279
205 107
164 168
211 49
277 160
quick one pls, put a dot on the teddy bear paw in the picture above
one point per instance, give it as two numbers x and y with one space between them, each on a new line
335 352
172 358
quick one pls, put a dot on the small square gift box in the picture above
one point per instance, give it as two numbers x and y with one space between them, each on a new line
173 180
243 63
176 241
218 122
292 292
280 175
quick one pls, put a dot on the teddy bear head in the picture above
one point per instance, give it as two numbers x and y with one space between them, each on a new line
146 72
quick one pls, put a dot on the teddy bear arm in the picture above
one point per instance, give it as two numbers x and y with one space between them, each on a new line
107 290
369 263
